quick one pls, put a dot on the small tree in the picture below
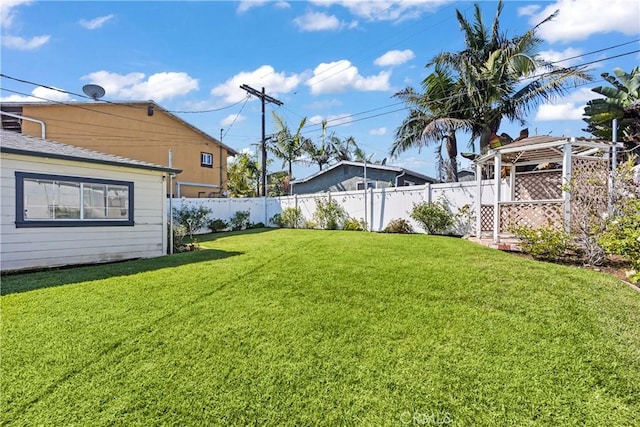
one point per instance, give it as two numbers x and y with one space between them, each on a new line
192 216
621 233
329 214
434 218
289 218
240 220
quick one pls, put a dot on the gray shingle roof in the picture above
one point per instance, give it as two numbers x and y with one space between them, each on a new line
16 143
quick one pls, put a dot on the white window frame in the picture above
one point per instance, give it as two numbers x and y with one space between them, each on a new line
206 159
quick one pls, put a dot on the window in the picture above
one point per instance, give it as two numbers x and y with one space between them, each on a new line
408 183
206 160
370 184
65 201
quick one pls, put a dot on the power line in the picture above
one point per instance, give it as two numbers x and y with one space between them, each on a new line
236 117
111 102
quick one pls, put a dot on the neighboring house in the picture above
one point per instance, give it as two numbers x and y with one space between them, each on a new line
65 205
349 176
136 130
466 175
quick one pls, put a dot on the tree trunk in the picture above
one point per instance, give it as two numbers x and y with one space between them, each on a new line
452 153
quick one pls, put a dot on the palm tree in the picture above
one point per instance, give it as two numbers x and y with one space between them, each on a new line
502 77
287 147
493 78
434 116
620 102
321 153
243 176
342 149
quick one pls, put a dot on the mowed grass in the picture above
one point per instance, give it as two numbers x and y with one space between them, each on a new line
301 327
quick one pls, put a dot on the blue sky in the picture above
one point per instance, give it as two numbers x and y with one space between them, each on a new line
335 60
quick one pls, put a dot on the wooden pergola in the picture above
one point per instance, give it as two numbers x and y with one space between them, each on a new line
534 179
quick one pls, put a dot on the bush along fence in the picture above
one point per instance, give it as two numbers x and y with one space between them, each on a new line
372 209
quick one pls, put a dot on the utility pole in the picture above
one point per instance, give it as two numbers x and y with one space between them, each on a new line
263 97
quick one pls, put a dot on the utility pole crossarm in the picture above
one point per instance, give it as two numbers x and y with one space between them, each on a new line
263 98
261 95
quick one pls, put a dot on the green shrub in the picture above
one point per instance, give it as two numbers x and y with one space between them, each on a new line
288 218
276 220
399 225
310 224
546 243
192 216
433 217
218 224
257 225
240 220
329 214
622 234
352 224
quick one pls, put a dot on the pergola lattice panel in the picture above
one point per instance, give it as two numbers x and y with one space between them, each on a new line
486 217
589 190
535 215
538 186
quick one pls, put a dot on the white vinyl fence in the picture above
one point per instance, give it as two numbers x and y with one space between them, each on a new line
382 205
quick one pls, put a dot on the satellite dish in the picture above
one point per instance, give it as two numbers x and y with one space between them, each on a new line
93 91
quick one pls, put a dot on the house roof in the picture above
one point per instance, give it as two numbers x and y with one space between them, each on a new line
544 148
395 169
16 143
137 104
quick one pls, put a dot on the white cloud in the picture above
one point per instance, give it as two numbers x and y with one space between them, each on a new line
7 15
158 87
378 131
529 10
332 119
245 5
232 119
50 94
40 94
570 107
20 43
339 119
96 22
581 95
320 105
337 77
558 112
264 76
385 10
558 57
315 120
394 57
578 20
317 21
7 11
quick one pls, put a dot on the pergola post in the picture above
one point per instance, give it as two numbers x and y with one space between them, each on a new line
566 183
478 200
496 204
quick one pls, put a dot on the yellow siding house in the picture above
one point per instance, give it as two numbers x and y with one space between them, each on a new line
136 130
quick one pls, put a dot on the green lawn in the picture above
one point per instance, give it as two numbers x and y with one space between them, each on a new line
302 327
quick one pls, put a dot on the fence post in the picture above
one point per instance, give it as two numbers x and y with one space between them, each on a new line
478 200
370 225
566 183
496 203
427 192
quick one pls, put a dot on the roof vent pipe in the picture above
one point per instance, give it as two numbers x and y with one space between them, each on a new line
29 119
